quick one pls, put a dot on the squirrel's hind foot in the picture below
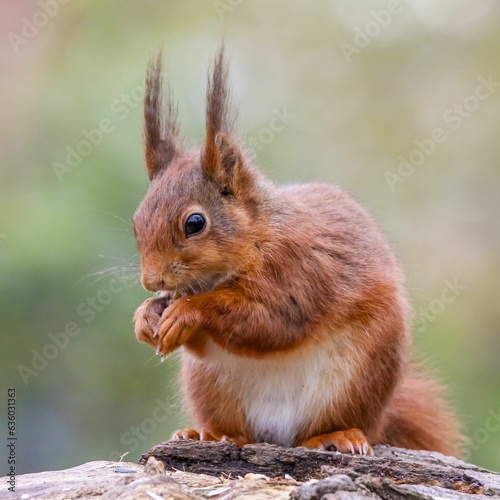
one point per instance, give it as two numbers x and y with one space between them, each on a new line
349 441
206 435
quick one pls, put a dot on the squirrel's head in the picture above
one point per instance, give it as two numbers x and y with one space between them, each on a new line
194 226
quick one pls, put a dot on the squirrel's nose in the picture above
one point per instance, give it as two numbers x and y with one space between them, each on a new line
152 283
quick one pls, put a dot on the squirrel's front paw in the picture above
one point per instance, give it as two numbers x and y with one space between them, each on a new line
147 317
177 325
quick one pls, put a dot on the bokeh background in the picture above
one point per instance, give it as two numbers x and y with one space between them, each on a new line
359 86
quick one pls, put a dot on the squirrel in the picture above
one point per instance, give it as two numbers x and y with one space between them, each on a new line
286 303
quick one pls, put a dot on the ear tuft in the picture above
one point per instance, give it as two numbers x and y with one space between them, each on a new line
221 157
161 127
219 118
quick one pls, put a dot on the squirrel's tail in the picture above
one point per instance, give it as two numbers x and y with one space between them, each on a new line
419 417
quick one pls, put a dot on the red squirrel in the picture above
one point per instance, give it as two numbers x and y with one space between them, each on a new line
286 303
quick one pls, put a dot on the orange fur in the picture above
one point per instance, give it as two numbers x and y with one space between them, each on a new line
288 305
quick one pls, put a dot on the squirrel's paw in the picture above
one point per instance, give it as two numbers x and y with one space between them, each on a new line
205 435
177 325
202 435
349 441
147 317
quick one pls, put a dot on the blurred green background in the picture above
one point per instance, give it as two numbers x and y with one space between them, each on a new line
364 84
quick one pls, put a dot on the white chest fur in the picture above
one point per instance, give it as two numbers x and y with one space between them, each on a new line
281 394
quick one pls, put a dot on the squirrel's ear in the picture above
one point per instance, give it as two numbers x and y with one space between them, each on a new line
161 127
226 168
221 158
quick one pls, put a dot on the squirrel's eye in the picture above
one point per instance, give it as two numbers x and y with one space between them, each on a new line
195 224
